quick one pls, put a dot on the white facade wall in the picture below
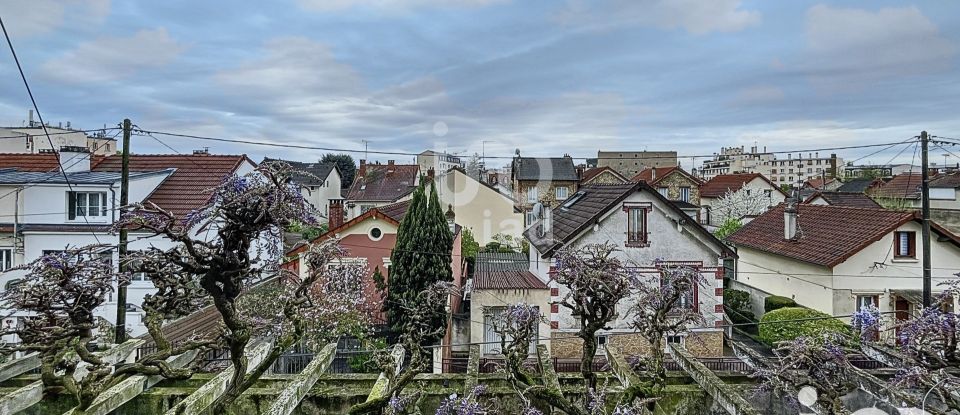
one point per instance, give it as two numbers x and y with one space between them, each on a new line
872 271
483 210
669 241
320 196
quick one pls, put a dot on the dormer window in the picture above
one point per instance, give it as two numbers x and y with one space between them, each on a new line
86 205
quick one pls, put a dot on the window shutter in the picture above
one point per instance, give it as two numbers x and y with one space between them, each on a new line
912 244
71 205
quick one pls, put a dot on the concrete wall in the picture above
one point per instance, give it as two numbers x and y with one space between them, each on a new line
479 208
502 298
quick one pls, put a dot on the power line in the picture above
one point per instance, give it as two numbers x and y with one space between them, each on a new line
61 133
400 153
26 84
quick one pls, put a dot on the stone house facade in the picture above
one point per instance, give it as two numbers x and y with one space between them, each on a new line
542 180
651 231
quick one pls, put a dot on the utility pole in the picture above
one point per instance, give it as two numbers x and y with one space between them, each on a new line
121 327
925 197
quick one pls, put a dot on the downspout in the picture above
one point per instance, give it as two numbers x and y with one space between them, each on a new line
113 209
16 222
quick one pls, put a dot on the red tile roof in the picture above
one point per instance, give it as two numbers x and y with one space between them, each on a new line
188 187
946 180
380 184
720 185
39 162
828 235
901 186
395 211
818 183
654 175
590 173
507 280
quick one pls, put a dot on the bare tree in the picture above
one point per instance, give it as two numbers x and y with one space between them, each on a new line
596 281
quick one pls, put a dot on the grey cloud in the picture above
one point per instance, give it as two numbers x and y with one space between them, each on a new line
110 58
694 16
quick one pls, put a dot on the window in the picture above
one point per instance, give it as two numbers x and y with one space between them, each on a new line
636 226
531 217
561 192
532 194
365 208
685 194
904 244
867 301
86 204
6 259
376 234
665 192
768 193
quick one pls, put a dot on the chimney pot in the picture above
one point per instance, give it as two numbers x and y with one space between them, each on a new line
335 214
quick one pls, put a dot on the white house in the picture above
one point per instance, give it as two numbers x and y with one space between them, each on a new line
437 161
836 258
754 186
319 182
651 232
41 212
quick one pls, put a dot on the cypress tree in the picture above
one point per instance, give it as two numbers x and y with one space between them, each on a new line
421 256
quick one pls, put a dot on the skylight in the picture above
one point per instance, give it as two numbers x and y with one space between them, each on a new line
571 200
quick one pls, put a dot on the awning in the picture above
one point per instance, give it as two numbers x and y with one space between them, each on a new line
914 296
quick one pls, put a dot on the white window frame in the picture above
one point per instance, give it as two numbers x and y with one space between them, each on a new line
685 194
532 194
76 196
6 258
565 191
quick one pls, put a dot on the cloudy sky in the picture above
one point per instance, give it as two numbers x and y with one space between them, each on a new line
547 77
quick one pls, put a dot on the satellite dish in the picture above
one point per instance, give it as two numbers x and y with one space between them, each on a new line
538 211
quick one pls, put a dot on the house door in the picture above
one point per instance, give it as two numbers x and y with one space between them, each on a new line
491 340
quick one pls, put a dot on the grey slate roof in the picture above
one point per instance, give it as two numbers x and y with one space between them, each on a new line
553 169
856 185
589 204
502 261
308 174
14 176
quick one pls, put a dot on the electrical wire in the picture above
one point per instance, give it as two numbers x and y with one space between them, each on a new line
26 84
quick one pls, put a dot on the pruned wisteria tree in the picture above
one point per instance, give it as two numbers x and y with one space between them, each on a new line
595 281
663 306
820 362
418 331
61 291
928 343
247 214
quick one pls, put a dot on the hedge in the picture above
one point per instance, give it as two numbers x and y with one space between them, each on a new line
737 304
775 302
772 332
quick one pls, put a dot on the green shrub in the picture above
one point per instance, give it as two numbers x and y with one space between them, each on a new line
772 331
737 305
776 302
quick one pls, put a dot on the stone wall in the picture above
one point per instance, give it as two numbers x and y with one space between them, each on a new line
546 191
699 343
674 181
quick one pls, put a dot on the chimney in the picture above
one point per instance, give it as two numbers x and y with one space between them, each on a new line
580 169
451 218
546 220
790 220
30 118
430 172
74 159
205 150
335 214
390 166
653 173
362 171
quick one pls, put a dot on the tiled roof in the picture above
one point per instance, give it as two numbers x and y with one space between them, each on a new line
860 200
554 169
828 234
653 175
858 185
502 261
40 162
379 184
590 173
188 188
395 211
901 186
949 180
818 183
507 280
586 206
308 174
14 176
721 184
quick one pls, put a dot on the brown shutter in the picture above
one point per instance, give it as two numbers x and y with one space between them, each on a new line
71 205
912 241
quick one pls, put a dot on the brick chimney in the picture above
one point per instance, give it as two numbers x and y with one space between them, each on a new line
390 166
431 173
362 171
335 213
